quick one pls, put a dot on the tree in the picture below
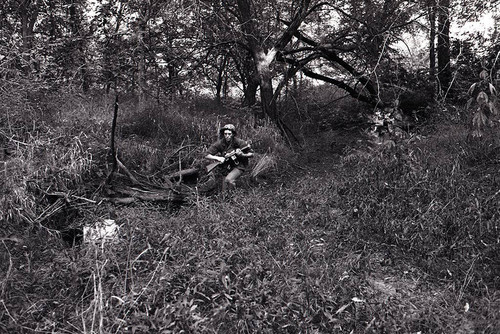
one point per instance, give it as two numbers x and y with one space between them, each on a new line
28 11
130 44
264 50
443 47
431 8
344 43
19 19
79 36
355 54
248 77
47 39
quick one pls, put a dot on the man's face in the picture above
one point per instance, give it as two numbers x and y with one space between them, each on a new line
228 135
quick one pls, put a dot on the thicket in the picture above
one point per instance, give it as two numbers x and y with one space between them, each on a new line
58 142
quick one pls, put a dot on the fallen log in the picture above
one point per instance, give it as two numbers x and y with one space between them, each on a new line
124 194
191 172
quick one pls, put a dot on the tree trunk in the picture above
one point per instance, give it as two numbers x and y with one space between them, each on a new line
141 70
263 62
221 67
250 92
28 17
250 81
261 57
443 47
142 22
432 44
75 16
264 56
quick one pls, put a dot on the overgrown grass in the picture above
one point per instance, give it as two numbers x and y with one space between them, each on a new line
394 239
40 156
283 259
429 197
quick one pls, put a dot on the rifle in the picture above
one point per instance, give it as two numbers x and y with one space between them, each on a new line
231 156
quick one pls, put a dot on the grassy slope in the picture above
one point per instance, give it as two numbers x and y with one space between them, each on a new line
362 241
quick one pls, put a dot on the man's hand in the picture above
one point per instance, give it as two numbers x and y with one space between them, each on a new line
221 159
239 152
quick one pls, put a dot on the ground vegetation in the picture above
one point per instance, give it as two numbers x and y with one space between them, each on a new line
371 205
352 233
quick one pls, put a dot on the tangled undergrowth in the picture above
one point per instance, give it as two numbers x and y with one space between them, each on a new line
373 239
275 259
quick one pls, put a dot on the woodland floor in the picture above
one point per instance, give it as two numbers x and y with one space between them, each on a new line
387 283
392 279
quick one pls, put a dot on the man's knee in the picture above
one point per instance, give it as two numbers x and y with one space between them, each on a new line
230 180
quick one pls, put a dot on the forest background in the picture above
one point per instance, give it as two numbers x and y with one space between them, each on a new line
371 205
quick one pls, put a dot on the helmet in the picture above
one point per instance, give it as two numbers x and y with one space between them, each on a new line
230 127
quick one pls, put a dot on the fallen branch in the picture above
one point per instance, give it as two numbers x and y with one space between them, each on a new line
177 162
67 196
149 195
11 138
181 148
183 173
126 171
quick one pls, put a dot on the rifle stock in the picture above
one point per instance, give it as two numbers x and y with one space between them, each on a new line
213 165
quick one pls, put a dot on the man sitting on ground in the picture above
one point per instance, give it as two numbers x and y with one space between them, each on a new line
232 153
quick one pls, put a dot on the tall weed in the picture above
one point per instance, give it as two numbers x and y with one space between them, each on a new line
424 197
172 136
46 148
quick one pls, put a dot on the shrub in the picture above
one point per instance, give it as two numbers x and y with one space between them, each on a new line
51 143
159 133
483 104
